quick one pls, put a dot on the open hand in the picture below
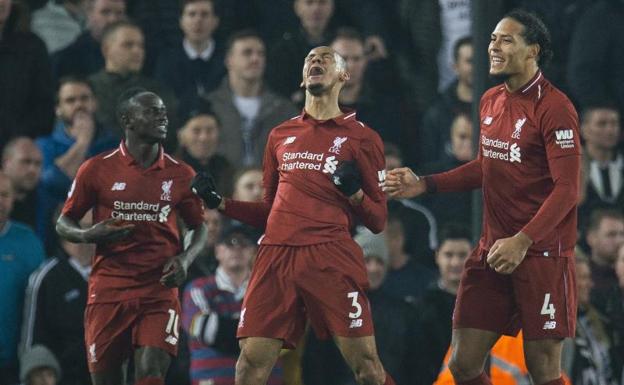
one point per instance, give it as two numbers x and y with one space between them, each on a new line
174 272
109 230
507 253
403 183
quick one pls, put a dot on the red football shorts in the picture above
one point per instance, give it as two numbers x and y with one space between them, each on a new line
324 283
114 330
539 297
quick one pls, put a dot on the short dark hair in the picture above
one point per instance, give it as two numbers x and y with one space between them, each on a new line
597 215
587 111
110 29
454 231
74 79
535 32
348 33
466 40
126 101
241 35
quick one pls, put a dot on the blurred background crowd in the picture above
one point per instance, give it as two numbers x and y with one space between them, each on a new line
228 71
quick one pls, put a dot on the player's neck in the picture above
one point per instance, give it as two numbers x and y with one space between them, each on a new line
322 107
245 87
598 153
515 82
144 153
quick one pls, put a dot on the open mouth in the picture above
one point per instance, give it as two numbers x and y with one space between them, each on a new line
315 71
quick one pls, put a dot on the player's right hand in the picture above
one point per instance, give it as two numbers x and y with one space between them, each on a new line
109 230
403 183
204 186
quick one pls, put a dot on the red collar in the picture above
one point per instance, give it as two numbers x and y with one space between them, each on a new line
127 158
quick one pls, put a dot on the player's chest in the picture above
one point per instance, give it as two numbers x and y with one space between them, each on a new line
314 150
509 133
155 187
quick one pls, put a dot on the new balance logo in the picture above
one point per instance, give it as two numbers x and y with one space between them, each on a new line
330 165
356 323
514 153
550 325
171 340
487 121
290 139
118 186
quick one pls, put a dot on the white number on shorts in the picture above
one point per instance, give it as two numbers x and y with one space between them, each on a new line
358 308
548 308
172 323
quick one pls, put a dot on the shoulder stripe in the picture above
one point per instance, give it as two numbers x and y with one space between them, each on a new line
171 159
111 154
30 304
296 117
361 124
348 116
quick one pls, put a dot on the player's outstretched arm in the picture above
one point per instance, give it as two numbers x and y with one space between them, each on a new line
403 183
109 230
175 270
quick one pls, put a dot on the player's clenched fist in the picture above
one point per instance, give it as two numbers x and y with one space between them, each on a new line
403 183
174 272
347 178
204 186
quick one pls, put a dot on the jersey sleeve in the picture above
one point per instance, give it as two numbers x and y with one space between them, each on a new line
373 210
560 131
82 193
190 206
256 213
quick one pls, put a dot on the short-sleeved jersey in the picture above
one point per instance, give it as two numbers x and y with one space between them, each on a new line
301 156
114 185
520 133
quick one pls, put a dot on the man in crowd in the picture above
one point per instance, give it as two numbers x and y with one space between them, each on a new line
605 235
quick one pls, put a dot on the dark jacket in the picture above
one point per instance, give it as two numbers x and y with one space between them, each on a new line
83 57
218 166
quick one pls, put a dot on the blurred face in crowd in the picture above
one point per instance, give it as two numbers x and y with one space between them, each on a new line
73 98
323 71
463 65
461 138
584 283
248 187
606 239
23 165
619 266
5 11
235 252
200 136
601 128
352 51
199 21
212 219
247 59
6 199
42 376
102 13
314 14
508 51
395 238
450 259
124 50
376 269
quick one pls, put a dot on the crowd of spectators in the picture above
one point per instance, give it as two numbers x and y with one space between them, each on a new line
229 71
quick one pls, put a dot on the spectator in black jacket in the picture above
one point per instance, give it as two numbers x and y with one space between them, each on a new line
435 309
84 57
194 66
26 91
56 298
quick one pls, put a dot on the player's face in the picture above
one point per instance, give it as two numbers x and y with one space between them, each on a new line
584 283
376 269
601 128
200 136
508 51
125 50
353 52
5 10
74 97
619 266
148 118
105 12
198 21
247 59
212 219
607 238
235 253
24 166
461 138
450 259
314 14
248 187
463 66
6 198
321 71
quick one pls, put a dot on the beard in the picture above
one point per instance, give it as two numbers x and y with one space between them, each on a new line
316 89
499 78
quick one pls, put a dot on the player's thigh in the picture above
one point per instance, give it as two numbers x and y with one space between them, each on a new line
332 281
151 361
259 351
157 325
545 291
485 299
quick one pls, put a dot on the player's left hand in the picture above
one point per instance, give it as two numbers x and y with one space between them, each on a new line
174 272
347 178
506 254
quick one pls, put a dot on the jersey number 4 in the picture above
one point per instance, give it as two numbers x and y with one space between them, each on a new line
548 308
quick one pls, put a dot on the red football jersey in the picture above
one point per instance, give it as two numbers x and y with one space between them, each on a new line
302 204
528 167
116 186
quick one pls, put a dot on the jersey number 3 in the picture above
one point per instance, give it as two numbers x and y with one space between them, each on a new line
354 302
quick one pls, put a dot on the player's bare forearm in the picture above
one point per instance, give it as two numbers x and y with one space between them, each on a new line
109 230
69 229
199 236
